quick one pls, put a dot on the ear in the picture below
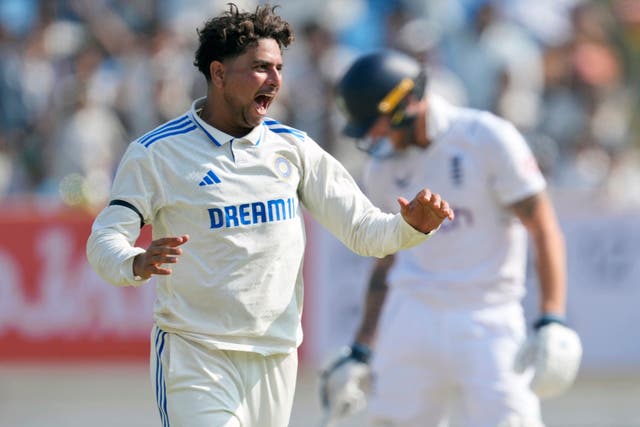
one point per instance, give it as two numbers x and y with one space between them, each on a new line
217 71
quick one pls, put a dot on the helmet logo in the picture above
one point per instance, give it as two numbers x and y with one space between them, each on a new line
393 98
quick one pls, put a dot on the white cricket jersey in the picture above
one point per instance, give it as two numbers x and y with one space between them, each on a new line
480 164
238 283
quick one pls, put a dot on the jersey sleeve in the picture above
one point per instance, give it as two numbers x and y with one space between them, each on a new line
134 198
513 170
336 201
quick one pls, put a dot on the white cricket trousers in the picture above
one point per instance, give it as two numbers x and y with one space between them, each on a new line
199 387
426 358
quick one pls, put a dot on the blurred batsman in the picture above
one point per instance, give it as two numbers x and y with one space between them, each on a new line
452 325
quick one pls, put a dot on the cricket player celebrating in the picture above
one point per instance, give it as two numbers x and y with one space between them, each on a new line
452 323
222 186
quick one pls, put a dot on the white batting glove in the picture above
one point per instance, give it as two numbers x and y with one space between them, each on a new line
345 382
555 352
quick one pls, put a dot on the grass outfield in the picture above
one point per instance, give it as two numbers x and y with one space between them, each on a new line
120 395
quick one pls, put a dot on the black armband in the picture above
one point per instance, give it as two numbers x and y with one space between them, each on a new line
118 202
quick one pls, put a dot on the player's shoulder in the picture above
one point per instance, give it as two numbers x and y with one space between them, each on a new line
461 123
167 132
485 127
489 122
278 128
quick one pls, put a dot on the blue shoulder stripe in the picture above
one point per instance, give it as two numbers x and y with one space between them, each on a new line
166 134
166 126
277 127
298 134
165 129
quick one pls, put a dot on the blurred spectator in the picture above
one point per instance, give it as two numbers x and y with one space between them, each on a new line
587 105
85 151
311 69
548 21
421 37
499 64
565 71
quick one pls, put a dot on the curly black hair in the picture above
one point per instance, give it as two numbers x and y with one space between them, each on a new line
230 33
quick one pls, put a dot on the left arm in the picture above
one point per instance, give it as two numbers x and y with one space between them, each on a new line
335 200
538 216
554 350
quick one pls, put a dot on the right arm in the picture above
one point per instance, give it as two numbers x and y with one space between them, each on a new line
111 249
112 254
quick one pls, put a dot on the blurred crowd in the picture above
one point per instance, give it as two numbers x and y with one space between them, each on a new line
80 79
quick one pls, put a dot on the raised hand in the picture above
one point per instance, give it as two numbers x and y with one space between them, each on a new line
426 211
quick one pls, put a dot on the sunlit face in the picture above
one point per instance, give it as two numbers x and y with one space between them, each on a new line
248 85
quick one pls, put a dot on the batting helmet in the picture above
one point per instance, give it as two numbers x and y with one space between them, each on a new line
377 84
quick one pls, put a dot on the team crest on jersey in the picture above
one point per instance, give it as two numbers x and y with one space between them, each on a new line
283 167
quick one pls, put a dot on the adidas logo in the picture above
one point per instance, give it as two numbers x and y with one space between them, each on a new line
209 179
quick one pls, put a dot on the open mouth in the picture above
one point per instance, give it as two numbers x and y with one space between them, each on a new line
263 102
